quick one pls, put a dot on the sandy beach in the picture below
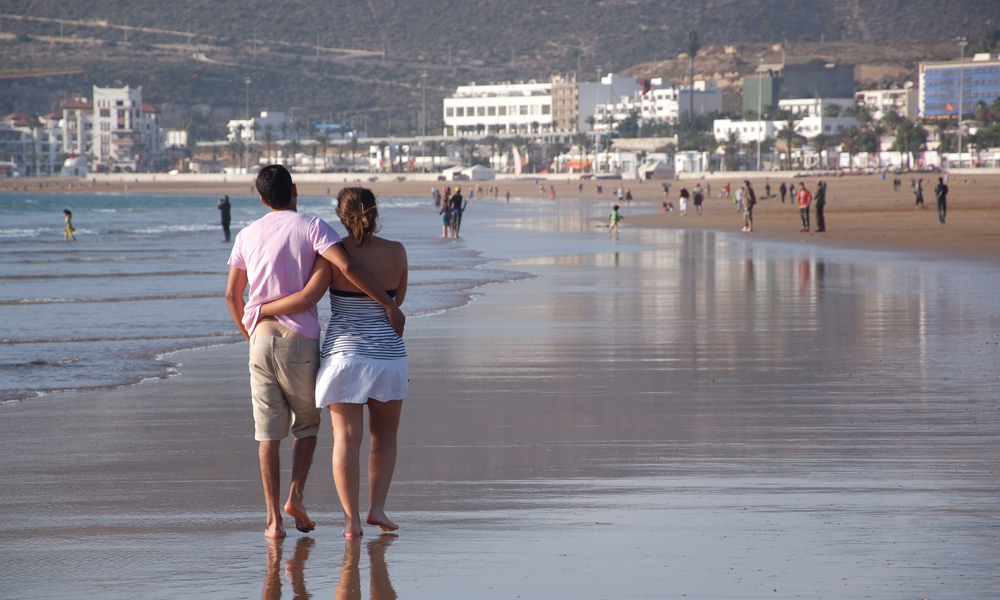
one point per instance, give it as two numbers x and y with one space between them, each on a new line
861 211
679 413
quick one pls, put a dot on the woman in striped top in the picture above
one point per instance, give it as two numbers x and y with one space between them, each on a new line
363 360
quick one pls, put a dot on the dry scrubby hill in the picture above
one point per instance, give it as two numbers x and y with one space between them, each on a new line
489 40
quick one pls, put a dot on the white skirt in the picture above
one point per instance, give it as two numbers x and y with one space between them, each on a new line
354 379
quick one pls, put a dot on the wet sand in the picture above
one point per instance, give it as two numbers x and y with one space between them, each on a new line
677 413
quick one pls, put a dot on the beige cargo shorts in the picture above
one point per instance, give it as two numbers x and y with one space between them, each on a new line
283 387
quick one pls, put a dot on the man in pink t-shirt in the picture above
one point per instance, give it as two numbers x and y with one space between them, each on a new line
275 256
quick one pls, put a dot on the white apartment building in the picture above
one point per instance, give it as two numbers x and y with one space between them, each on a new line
754 131
660 104
77 124
814 107
609 89
124 128
506 108
561 105
252 129
749 131
904 102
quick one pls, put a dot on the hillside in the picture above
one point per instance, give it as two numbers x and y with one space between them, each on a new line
324 60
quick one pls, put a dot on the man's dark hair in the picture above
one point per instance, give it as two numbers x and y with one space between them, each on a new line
274 184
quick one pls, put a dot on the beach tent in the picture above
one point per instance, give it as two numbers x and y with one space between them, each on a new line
479 173
657 170
453 173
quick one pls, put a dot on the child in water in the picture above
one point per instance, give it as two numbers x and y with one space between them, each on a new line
613 219
69 226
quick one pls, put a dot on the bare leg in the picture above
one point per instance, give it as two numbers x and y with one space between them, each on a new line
383 424
302 455
267 453
348 428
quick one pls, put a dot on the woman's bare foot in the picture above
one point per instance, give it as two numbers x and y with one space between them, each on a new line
383 522
295 510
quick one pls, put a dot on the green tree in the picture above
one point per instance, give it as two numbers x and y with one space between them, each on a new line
692 45
731 150
790 134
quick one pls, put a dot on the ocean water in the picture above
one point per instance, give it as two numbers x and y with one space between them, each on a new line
147 278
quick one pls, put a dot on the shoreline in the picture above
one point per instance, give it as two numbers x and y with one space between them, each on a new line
862 211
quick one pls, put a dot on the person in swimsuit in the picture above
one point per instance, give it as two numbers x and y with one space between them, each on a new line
69 226
363 360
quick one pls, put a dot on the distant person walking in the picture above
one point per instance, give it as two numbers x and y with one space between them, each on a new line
68 233
685 195
782 190
820 198
699 197
767 190
941 192
918 194
805 199
749 201
225 213
458 205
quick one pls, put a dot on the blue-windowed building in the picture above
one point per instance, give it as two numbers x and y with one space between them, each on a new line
939 85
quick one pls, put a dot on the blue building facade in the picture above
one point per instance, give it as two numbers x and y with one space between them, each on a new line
939 86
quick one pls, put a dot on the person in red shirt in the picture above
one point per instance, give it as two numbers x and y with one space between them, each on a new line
805 199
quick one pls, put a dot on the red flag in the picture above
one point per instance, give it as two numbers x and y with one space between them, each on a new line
646 86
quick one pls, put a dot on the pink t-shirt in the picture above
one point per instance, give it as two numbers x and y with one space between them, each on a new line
278 252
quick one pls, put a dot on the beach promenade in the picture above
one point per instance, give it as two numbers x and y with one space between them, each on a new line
686 412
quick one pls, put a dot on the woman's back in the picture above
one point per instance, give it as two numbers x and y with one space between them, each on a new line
384 259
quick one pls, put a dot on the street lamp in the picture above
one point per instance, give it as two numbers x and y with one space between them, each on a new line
760 108
962 43
246 80
423 104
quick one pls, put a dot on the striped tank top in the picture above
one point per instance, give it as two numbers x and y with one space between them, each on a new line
359 325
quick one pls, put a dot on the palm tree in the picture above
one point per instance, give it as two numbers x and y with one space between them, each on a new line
235 149
268 139
293 148
554 150
584 143
881 132
790 134
820 143
693 46
313 151
849 143
731 149
323 139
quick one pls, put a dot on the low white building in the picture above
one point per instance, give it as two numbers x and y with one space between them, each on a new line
507 108
252 129
660 104
754 131
810 127
749 131
814 107
902 101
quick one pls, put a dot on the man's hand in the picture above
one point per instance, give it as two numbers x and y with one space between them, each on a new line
396 318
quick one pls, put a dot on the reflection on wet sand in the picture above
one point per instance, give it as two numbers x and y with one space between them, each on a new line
294 569
349 586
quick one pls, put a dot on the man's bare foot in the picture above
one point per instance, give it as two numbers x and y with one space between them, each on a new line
275 532
353 530
383 522
295 509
